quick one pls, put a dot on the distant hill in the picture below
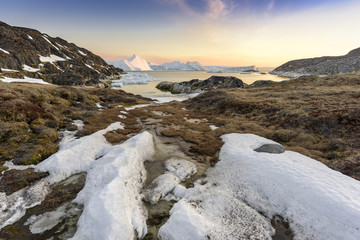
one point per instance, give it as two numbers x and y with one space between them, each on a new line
27 52
321 65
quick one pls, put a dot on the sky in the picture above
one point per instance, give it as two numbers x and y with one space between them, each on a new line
265 33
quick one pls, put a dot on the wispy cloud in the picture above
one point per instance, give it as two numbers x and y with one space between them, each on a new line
270 5
217 8
212 9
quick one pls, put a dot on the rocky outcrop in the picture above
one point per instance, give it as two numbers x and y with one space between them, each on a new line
320 66
197 85
27 52
261 83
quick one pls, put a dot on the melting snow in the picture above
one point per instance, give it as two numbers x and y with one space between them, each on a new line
30 37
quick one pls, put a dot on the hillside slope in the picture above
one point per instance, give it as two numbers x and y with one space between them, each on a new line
27 52
321 65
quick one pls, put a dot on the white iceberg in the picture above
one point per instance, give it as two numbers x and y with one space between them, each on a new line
135 63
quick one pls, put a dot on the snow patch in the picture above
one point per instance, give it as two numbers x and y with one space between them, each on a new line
30 69
111 196
9 70
52 58
21 80
82 53
213 127
30 37
46 39
4 51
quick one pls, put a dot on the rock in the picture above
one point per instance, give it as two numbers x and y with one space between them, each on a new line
271 148
197 85
52 59
14 180
320 66
261 83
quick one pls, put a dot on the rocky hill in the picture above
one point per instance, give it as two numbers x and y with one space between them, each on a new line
27 52
321 65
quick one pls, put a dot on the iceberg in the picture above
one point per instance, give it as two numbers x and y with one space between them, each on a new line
135 63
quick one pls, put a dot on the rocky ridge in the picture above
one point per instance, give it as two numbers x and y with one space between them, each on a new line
197 85
320 65
27 52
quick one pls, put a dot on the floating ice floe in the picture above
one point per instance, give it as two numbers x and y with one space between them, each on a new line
23 80
318 202
132 78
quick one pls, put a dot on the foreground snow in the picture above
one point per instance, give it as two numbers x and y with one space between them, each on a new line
132 78
319 203
115 175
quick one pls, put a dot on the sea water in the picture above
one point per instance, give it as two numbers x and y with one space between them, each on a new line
150 90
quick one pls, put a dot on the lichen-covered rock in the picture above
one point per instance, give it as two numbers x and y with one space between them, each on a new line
320 65
197 85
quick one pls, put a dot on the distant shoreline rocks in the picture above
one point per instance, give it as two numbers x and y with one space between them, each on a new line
320 66
196 85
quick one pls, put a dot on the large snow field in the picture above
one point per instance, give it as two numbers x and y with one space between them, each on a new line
318 202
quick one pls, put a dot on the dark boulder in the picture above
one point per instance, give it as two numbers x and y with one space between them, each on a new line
271 148
196 85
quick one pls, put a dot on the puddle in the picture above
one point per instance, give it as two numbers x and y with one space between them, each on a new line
282 229
166 148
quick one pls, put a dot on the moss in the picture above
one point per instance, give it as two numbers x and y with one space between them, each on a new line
41 154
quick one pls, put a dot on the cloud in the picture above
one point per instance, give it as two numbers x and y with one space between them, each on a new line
270 5
212 9
217 8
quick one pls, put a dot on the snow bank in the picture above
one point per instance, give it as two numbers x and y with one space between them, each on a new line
76 156
115 176
111 198
132 78
318 202
21 80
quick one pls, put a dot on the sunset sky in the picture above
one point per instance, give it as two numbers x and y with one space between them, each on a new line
213 32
